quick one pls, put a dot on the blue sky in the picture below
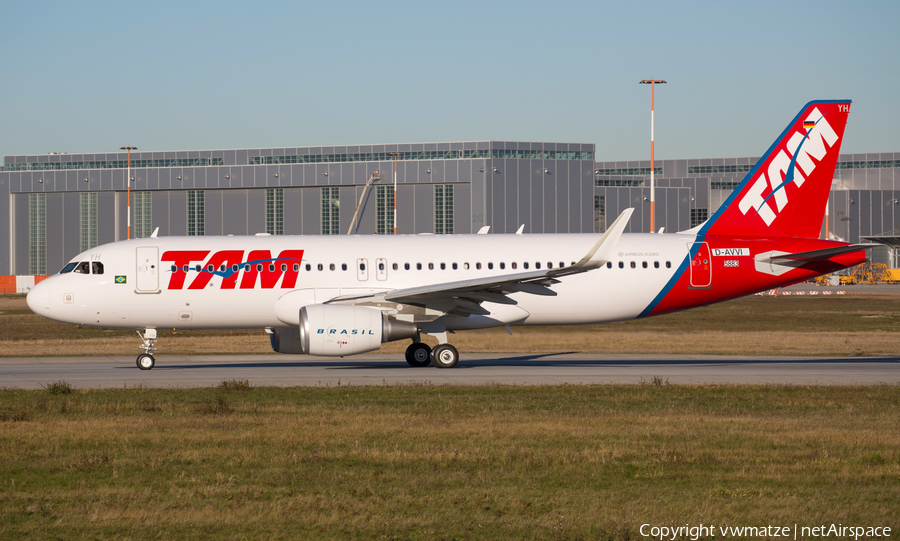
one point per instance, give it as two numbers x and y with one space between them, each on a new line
94 76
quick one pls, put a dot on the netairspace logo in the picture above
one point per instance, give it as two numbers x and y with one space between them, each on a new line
838 531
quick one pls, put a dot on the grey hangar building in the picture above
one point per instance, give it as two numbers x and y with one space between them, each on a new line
58 205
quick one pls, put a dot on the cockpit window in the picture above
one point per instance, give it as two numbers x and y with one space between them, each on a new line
69 268
83 267
96 267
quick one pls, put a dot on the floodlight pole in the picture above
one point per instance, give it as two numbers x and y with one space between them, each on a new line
395 155
652 83
128 183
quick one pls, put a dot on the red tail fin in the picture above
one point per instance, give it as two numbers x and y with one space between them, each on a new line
786 192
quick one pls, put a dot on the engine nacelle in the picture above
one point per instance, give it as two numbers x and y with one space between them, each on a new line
337 330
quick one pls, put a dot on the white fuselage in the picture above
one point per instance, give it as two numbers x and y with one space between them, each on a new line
131 294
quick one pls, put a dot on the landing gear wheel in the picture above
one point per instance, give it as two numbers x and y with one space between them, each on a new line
145 361
444 356
418 354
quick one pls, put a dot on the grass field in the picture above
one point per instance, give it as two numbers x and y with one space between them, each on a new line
416 462
835 325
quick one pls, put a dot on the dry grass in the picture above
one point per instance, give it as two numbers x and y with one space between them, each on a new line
835 326
417 462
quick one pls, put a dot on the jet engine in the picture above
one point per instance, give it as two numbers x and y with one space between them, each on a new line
337 330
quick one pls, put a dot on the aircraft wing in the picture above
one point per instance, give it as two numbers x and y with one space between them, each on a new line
465 296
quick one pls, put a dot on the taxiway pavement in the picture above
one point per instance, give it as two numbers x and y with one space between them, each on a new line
473 369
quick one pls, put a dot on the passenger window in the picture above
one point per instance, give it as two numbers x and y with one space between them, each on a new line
668 264
418 266
271 267
549 264
502 265
609 264
621 264
431 266
537 265
198 267
478 266
563 264
308 267
644 264
174 268
246 268
209 268
465 266
186 268
283 267
633 265
362 266
396 266
296 267
656 264
343 266
320 267
406 266
331 267
490 265
259 267
454 266
381 266
525 265
443 266
97 267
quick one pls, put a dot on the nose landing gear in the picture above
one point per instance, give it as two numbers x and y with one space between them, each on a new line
146 361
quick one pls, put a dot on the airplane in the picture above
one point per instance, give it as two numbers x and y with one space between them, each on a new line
340 296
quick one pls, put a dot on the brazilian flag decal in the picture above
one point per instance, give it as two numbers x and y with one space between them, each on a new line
120 279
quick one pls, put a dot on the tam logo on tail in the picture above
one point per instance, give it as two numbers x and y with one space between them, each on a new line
786 191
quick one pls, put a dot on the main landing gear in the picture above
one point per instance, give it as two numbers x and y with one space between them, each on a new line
443 356
145 360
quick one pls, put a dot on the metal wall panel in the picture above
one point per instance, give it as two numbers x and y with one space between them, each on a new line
293 211
106 218
214 218
178 213
424 209
312 211
234 212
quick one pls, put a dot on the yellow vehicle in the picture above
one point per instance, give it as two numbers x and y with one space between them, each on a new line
848 280
892 276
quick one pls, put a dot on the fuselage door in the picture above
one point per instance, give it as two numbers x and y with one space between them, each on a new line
381 268
147 268
362 269
701 265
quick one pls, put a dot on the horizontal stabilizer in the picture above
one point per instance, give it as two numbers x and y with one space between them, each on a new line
818 255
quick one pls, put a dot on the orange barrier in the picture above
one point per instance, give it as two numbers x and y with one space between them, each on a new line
7 284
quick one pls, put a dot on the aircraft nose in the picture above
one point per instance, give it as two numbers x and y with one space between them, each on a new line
38 298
